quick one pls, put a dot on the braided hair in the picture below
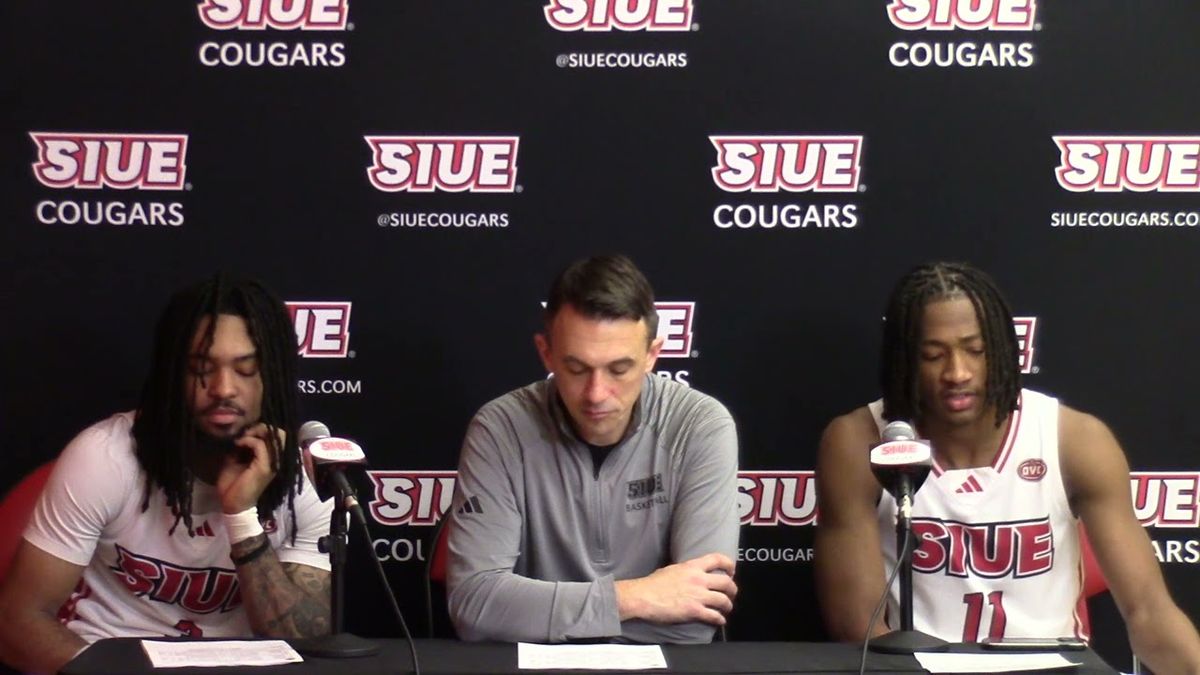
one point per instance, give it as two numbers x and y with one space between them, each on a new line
163 429
898 377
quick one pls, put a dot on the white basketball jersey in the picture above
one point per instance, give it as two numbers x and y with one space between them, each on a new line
143 575
997 547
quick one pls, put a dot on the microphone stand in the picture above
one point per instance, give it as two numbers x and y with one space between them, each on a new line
337 644
906 640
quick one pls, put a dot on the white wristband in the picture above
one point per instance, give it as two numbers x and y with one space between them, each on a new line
242 526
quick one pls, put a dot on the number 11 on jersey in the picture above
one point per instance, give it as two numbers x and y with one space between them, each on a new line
974 619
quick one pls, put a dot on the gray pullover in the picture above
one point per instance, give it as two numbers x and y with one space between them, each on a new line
538 538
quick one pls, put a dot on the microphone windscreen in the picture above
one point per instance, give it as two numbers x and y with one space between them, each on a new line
311 431
894 431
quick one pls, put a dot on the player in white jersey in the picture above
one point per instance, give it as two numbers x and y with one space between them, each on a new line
192 515
1000 539
997 548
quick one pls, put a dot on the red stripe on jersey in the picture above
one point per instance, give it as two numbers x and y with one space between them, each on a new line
1010 439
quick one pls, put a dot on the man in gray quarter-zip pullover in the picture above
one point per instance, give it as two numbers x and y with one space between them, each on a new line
599 503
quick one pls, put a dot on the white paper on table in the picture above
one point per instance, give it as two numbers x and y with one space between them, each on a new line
219 653
589 657
941 662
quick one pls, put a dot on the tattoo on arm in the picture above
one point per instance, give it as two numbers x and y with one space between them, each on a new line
312 616
282 600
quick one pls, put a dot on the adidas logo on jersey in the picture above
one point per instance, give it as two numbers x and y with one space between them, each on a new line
969 485
472 505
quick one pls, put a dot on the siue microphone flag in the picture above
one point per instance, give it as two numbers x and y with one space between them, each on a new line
326 457
901 462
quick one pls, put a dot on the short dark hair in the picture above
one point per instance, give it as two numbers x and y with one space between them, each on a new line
604 287
163 430
902 336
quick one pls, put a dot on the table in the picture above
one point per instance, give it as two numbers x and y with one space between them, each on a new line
124 656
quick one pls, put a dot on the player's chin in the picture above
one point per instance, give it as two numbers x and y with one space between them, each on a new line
222 432
962 417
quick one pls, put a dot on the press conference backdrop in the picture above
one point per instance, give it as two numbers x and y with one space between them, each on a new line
410 175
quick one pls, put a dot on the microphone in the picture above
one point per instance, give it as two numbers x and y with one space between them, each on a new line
901 463
310 431
326 460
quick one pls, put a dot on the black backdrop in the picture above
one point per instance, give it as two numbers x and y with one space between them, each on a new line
613 153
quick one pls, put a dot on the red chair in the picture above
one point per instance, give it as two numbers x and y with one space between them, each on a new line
15 511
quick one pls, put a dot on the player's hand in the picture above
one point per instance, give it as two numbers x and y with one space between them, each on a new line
700 589
247 471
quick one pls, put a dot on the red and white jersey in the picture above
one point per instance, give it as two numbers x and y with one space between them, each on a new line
139 579
997 547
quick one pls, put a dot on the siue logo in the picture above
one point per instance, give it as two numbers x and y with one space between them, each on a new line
777 498
122 161
339 449
1165 499
198 590
1134 163
322 328
623 15
788 163
979 17
675 328
645 493
263 25
644 487
675 318
901 452
1015 549
443 163
118 160
411 497
274 14
1026 327
994 15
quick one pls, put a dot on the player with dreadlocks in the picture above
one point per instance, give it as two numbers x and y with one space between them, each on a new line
167 438
212 446
996 523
